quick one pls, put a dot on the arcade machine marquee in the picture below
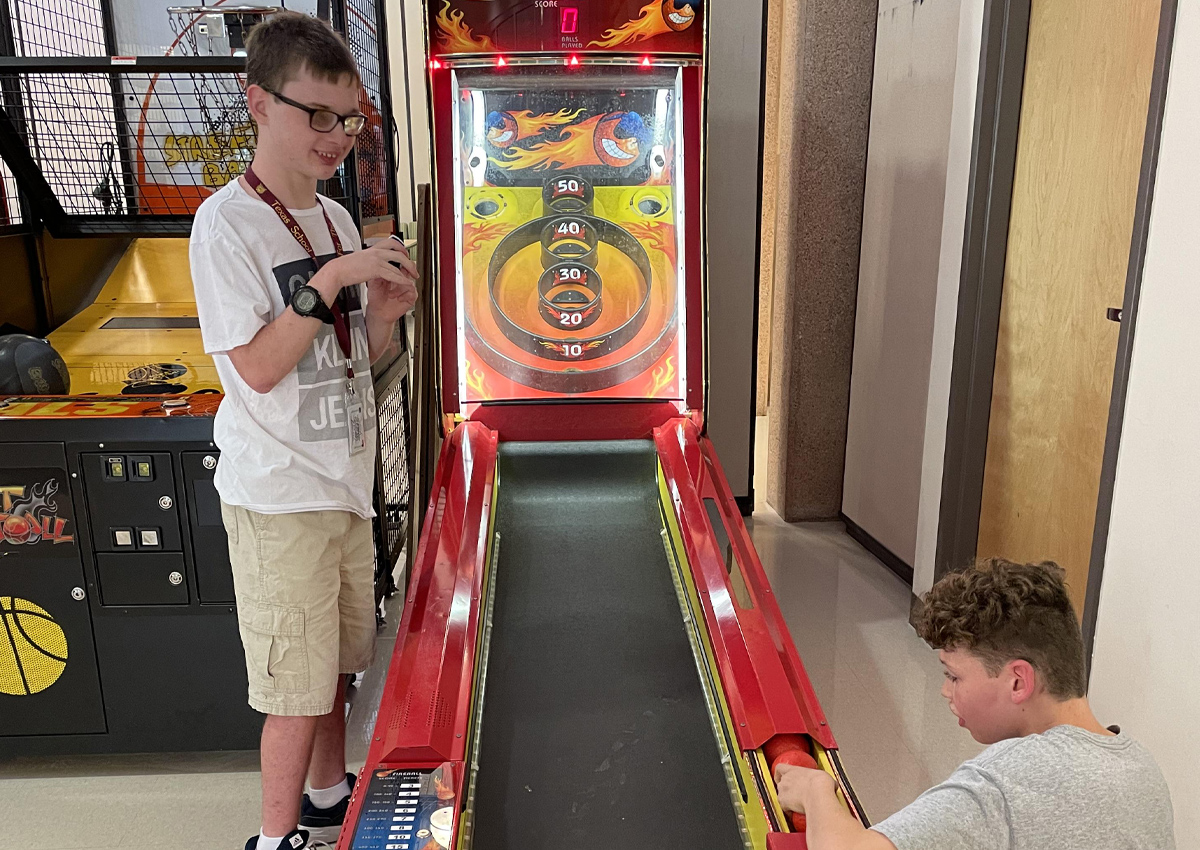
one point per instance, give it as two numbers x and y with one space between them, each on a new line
591 655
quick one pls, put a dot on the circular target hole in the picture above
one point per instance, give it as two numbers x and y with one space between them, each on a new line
650 206
487 208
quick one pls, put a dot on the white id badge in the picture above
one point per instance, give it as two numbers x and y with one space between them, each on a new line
356 426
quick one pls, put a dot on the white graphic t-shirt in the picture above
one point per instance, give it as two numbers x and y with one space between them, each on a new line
287 450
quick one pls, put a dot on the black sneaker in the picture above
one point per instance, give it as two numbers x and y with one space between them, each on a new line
325 824
297 839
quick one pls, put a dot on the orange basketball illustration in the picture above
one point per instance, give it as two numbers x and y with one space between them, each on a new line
33 648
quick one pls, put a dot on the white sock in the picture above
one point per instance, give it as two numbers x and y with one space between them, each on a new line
266 842
325 798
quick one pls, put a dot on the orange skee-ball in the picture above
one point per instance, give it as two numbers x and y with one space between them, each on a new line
782 743
797 757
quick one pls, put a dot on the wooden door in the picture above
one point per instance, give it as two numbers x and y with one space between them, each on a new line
1083 119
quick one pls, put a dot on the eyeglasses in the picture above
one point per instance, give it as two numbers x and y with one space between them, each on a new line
323 120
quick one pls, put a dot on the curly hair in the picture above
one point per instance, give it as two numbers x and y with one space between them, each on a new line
286 43
1001 611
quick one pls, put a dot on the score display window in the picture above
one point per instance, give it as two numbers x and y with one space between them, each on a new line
568 18
569 228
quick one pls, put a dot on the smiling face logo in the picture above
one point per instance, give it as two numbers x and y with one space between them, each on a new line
679 16
501 129
619 138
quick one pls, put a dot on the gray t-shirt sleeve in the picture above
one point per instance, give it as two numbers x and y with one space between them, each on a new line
966 812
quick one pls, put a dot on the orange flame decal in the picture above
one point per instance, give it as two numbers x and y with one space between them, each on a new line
475 235
455 36
577 147
529 124
475 380
657 237
662 378
648 24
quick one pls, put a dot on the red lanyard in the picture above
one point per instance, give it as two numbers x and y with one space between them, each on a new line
341 327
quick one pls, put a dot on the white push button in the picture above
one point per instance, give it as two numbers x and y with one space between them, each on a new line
149 537
123 538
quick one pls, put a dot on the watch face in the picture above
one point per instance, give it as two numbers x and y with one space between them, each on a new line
304 300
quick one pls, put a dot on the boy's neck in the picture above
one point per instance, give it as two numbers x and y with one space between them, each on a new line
1052 712
295 191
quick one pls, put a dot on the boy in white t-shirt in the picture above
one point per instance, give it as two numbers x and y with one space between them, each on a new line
294 316
1053 776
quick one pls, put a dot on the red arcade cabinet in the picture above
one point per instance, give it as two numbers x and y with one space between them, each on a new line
590 655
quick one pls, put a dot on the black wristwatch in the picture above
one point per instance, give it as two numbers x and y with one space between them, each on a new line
308 302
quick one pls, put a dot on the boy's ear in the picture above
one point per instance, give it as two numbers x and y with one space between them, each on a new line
256 99
1023 679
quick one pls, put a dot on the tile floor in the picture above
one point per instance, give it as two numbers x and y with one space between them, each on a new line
877 682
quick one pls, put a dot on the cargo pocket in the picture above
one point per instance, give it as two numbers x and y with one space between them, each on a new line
276 652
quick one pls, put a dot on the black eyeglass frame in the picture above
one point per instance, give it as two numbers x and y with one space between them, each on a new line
312 115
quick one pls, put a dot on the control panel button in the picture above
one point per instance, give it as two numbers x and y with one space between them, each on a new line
141 468
114 468
148 538
122 537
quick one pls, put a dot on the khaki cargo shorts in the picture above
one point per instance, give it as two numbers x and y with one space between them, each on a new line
304 584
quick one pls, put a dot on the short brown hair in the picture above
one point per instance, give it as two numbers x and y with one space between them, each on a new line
1001 611
286 43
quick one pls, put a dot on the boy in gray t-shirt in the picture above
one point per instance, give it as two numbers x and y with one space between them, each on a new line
1009 640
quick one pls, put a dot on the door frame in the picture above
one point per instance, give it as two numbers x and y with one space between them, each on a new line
985 248
1128 319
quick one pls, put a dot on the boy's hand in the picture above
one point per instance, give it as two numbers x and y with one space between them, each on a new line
387 301
387 261
798 784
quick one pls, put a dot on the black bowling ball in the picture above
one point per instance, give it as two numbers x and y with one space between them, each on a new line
31 366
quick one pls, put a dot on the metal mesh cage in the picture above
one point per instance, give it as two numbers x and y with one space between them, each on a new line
372 155
56 27
392 404
105 146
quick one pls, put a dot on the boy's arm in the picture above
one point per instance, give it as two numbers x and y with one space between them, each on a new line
830 825
278 346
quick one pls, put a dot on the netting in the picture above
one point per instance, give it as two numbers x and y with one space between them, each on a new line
57 27
139 148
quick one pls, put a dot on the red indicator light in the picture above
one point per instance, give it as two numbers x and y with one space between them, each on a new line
646 62
573 61
434 64
568 20
500 63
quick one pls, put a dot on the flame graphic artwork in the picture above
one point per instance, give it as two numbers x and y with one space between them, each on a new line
476 235
661 378
507 128
614 139
656 237
475 380
455 36
655 18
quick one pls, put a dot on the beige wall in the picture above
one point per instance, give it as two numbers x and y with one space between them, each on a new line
826 58
1146 668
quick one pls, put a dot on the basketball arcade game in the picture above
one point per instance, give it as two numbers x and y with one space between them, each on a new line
590 655
117 625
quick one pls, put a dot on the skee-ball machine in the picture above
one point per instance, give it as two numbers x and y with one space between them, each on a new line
591 656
